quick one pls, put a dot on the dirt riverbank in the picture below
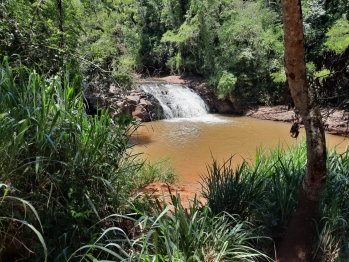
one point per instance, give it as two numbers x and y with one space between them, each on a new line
187 192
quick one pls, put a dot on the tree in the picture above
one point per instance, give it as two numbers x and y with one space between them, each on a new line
298 237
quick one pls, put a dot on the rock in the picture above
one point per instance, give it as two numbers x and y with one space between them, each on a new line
140 105
128 108
276 113
140 113
150 107
334 120
144 102
134 100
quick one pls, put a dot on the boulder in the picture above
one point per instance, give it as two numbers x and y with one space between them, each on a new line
140 113
127 108
134 100
276 113
144 102
140 105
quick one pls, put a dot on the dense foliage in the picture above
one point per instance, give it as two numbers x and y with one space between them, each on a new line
66 179
237 45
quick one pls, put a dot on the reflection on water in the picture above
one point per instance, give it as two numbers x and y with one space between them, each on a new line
191 143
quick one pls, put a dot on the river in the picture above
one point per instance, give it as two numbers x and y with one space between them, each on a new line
191 142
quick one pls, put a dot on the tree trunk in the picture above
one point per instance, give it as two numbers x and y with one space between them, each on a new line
60 15
297 243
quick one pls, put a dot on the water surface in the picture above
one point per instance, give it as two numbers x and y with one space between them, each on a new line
190 143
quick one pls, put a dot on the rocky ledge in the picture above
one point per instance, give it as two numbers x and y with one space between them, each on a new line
335 121
140 105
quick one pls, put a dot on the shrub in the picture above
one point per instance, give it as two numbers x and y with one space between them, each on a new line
264 192
284 170
73 168
172 233
226 84
237 192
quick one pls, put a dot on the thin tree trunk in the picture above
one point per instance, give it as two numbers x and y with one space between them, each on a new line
60 15
61 32
297 243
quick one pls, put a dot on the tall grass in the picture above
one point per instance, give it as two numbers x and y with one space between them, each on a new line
284 169
13 223
73 168
159 170
240 191
264 192
170 232
333 228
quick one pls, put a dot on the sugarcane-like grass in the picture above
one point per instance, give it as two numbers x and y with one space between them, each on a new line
74 169
170 232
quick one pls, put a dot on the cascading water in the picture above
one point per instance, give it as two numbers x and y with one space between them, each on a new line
177 101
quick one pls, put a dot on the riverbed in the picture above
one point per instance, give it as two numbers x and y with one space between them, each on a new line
191 143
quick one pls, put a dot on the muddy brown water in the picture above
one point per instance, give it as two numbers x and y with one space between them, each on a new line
190 144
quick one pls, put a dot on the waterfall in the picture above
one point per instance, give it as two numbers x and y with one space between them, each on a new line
177 101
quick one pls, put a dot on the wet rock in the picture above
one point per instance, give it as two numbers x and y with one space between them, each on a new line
144 102
134 100
140 105
276 113
140 113
127 109
334 120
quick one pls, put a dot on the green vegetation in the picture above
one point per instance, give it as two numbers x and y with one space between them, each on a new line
68 178
237 45
69 169
265 194
174 233
266 190
334 213
10 238
158 170
68 184
59 159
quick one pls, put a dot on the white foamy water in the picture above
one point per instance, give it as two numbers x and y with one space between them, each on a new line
208 119
180 103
